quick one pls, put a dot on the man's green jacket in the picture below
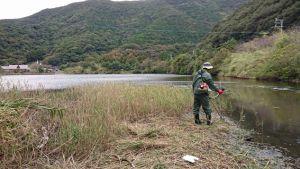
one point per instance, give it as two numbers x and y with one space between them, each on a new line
203 75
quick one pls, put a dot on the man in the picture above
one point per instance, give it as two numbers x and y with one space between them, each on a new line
201 82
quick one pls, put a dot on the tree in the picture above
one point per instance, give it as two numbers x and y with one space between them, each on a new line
182 64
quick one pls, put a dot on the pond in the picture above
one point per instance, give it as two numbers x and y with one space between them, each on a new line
270 108
61 81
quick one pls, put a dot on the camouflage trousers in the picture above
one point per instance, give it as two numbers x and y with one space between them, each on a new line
202 100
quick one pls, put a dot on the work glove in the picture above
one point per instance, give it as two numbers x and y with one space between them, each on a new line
220 92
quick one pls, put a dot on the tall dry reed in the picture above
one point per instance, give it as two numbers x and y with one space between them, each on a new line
92 118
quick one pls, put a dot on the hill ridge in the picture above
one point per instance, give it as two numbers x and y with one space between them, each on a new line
72 33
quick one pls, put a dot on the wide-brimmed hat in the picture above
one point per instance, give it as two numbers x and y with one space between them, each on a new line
207 65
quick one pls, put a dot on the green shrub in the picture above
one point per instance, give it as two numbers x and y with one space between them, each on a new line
285 62
182 64
76 69
279 60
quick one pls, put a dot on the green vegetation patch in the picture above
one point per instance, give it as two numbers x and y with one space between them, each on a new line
279 60
245 65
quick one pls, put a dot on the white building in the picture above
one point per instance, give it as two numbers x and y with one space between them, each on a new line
16 68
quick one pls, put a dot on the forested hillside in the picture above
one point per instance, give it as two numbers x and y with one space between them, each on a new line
247 45
255 19
81 33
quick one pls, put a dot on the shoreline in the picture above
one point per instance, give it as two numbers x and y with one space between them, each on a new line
144 130
8 74
294 81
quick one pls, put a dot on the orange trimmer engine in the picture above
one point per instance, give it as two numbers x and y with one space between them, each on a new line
203 87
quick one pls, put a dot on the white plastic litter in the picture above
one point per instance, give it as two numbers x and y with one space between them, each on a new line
189 158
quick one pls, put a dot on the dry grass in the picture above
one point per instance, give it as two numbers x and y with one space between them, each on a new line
220 146
91 119
123 126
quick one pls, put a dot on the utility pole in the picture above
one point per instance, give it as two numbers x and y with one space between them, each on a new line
279 24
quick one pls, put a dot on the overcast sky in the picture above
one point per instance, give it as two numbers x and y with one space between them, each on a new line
12 9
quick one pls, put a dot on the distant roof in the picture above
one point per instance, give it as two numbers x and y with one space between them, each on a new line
14 67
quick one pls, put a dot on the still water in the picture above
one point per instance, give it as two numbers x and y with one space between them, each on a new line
271 109
61 81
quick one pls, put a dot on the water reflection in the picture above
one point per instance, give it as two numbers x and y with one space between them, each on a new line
273 113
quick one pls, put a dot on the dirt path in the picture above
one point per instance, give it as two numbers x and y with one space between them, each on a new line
161 142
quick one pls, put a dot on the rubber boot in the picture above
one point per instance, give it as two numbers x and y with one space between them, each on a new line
208 117
197 119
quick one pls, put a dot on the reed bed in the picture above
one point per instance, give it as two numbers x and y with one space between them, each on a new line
116 126
89 118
